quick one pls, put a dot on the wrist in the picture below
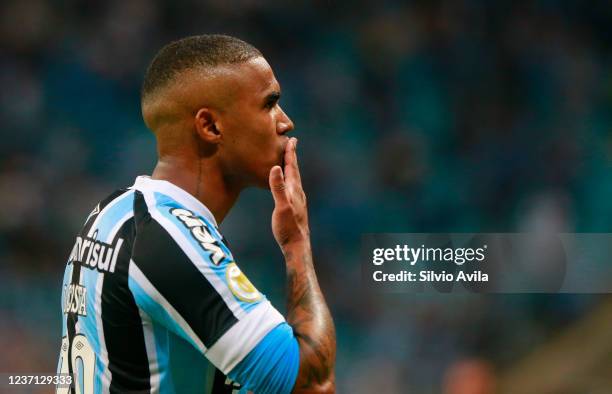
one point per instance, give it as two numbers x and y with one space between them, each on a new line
296 248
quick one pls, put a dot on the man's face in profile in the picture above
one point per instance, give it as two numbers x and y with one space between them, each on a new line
253 125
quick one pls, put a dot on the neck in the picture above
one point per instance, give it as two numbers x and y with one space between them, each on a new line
202 179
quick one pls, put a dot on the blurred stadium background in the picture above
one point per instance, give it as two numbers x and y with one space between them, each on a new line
423 116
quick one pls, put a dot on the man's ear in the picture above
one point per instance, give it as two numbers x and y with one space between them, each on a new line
205 124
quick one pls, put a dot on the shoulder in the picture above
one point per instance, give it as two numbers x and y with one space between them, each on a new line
194 233
183 275
177 247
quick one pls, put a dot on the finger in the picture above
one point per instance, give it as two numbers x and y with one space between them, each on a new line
292 171
277 186
294 163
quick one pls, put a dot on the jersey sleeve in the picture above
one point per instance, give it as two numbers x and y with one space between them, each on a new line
183 276
272 366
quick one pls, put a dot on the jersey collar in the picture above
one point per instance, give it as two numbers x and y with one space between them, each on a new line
187 200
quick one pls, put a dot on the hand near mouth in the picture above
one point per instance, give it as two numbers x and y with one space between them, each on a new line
290 216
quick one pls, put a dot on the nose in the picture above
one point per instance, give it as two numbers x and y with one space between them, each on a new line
284 123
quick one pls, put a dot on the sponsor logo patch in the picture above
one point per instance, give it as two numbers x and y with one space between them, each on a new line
200 232
94 254
240 285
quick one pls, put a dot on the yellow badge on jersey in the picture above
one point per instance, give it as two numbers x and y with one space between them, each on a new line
240 285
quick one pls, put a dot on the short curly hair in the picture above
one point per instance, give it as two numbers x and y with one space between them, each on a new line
207 50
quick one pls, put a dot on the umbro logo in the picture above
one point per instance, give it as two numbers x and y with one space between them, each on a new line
95 211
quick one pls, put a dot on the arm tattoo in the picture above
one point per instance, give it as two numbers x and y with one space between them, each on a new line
311 320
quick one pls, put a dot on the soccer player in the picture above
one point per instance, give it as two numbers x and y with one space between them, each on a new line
150 276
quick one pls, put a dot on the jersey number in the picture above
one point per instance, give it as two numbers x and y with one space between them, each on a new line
81 349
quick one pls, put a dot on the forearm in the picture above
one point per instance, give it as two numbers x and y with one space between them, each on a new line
311 320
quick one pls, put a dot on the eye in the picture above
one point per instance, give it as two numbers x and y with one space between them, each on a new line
271 100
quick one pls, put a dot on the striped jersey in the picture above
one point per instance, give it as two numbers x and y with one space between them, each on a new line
153 302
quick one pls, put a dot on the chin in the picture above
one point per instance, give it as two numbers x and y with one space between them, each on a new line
262 183
261 180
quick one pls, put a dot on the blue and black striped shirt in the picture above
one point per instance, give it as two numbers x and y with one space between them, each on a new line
152 295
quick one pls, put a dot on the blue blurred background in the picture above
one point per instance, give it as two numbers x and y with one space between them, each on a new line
423 116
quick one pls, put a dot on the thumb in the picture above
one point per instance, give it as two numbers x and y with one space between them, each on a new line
277 186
